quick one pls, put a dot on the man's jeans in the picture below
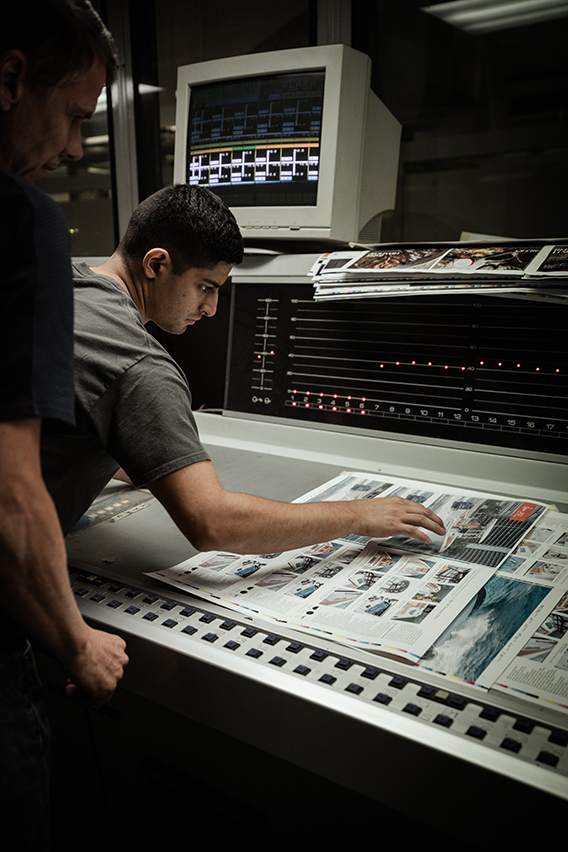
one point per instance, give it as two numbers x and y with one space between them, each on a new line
24 755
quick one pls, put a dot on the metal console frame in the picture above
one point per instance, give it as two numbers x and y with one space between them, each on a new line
336 729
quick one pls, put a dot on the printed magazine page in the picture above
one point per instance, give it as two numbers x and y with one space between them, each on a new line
334 262
473 641
462 268
540 654
553 262
542 556
397 260
400 603
535 661
492 260
522 619
397 594
357 290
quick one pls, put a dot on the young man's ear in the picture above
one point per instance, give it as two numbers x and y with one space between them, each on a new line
13 67
155 261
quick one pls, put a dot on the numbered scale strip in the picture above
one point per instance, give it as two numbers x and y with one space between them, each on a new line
309 397
264 347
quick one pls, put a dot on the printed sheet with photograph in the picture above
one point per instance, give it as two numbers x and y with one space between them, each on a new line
499 574
522 619
463 268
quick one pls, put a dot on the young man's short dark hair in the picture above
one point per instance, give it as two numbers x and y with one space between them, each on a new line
59 38
196 228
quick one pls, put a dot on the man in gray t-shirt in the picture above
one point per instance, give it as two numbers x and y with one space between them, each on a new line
133 405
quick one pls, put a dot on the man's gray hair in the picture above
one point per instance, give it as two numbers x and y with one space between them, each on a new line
61 39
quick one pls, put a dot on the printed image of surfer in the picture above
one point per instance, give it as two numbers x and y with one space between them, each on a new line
340 598
364 580
376 605
305 589
413 611
483 628
276 581
248 567
433 592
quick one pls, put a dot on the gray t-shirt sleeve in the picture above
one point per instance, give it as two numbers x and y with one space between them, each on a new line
152 430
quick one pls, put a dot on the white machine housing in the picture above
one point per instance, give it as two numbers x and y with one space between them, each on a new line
359 142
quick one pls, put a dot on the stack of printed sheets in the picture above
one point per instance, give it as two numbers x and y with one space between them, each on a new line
486 604
535 270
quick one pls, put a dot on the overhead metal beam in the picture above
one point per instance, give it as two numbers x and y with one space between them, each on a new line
334 22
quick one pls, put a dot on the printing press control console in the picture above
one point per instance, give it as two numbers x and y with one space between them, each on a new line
238 704
540 741
363 721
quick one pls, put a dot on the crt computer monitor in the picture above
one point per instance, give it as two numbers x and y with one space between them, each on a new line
294 141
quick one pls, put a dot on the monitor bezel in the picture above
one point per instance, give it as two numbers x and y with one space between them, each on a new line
344 118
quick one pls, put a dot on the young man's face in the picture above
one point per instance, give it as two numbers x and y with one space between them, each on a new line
181 300
42 130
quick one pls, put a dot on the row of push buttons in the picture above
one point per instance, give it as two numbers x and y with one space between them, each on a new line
454 703
398 682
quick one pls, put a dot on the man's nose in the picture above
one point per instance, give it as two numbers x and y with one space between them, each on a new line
74 147
209 304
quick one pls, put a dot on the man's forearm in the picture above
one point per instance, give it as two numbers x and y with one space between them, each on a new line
34 583
215 519
247 524
33 570
35 588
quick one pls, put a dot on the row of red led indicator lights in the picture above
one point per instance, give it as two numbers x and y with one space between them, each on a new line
500 364
430 364
447 366
319 403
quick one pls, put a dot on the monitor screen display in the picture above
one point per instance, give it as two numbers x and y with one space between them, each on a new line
255 141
